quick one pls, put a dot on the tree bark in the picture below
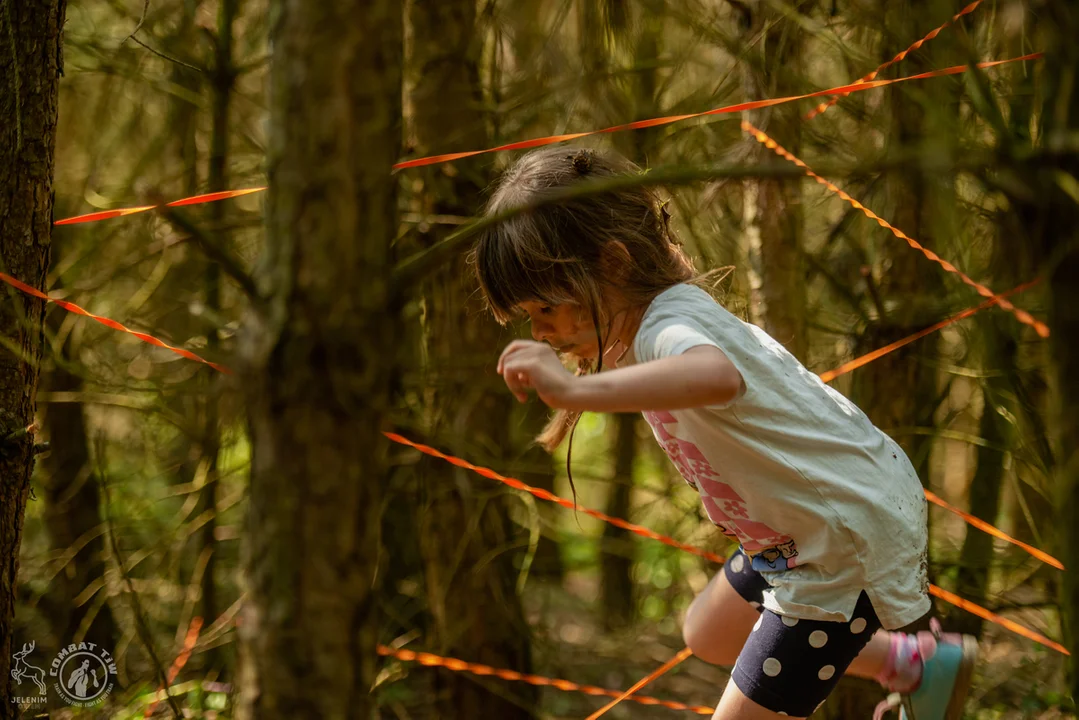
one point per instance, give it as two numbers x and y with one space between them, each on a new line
223 79
465 541
1051 217
319 362
72 511
1000 353
773 218
31 63
899 391
619 598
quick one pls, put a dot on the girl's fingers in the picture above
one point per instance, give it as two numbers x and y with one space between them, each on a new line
510 349
518 383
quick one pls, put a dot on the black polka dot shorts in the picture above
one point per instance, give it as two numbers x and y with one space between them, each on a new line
787 665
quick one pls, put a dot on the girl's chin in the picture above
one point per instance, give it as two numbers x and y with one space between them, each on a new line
577 353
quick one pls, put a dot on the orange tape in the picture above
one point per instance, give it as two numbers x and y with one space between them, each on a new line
874 355
932 34
995 532
512 482
1023 316
654 122
431 660
551 497
682 655
214 196
72 307
843 90
181 660
891 347
103 215
194 200
543 494
994 618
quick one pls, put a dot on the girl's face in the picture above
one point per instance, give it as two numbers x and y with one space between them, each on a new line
567 327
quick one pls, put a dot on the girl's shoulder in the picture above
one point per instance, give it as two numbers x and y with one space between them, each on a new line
688 301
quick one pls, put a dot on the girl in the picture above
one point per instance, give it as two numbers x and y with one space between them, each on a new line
828 512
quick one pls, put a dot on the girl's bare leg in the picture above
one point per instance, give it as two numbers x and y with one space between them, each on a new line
718 622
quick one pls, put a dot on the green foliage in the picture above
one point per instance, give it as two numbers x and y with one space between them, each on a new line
135 128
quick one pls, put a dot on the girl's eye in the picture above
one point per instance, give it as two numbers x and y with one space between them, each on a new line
545 310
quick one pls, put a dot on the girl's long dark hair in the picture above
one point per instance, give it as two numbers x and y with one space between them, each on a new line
565 252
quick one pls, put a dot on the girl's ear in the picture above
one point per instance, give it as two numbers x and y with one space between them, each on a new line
614 261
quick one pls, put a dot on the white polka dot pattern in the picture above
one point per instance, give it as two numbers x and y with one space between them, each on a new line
790 621
738 563
857 626
818 638
771 667
826 672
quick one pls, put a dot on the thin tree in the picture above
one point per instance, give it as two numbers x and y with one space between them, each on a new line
1040 177
319 358
32 52
772 208
466 543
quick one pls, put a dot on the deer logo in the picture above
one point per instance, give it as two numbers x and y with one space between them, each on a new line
25 671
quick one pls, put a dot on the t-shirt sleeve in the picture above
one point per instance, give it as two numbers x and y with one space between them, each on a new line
677 327
666 336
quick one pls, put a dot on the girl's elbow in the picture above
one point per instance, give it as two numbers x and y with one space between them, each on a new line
728 386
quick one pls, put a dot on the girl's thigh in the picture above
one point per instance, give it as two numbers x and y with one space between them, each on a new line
721 617
789 666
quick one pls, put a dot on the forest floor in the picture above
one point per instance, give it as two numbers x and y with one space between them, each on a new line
1015 679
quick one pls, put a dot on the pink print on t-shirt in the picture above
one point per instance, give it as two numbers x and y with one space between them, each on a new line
725 508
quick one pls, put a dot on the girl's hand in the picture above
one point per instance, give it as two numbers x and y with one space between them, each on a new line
528 365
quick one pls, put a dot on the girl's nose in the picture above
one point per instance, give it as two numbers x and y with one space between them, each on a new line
540 331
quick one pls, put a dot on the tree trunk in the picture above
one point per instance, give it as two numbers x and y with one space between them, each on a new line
1064 321
773 219
1053 216
1000 353
72 512
31 62
319 362
468 553
221 87
899 391
540 473
618 545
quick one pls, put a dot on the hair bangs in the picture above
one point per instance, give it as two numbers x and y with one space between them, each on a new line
514 265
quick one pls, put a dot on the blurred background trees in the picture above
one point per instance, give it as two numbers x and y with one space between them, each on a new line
268 504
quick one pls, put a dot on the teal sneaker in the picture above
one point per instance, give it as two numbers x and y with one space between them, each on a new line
946 677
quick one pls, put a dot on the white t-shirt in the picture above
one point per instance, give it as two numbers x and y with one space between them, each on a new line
824 503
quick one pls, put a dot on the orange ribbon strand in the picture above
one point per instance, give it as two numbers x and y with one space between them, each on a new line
72 307
682 655
1023 316
194 200
984 614
740 107
432 660
932 34
842 90
181 660
645 532
551 497
486 472
892 347
995 532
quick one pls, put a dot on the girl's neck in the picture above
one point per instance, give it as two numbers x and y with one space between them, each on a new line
624 330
